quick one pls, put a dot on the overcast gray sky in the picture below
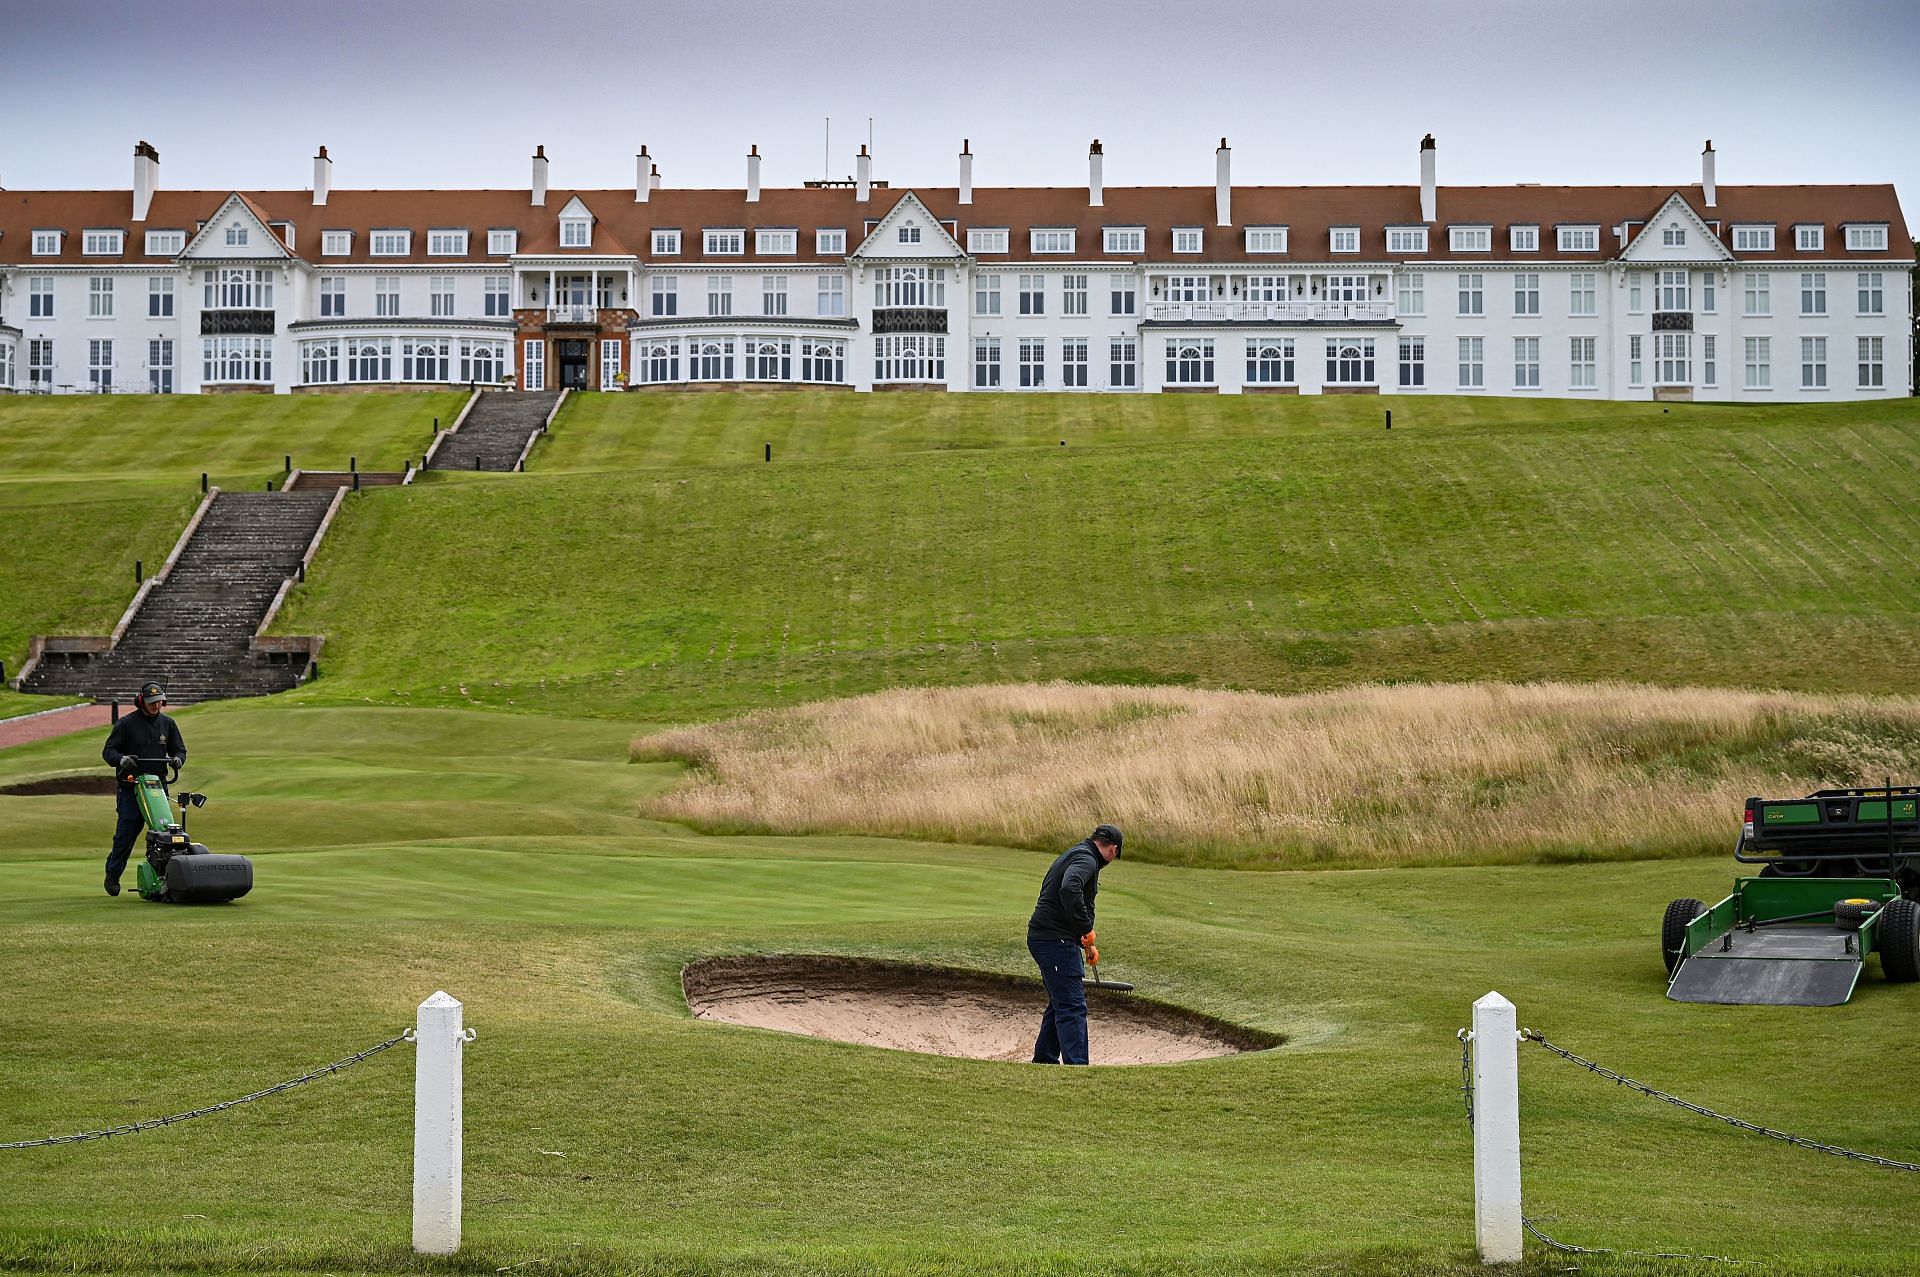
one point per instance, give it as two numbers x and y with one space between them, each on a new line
433 93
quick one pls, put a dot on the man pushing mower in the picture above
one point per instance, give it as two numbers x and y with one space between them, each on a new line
1060 936
139 744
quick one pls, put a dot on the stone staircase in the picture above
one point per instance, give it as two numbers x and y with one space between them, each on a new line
316 480
495 432
194 631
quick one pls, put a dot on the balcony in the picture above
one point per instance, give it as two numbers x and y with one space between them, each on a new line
573 313
1269 312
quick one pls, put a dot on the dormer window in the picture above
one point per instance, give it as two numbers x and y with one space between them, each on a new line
1470 239
1186 239
1809 239
237 235
1753 239
666 243
726 243
1523 239
776 243
447 243
1406 239
909 234
165 243
1673 236
1124 239
46 243
576 232
1346 239
503 243
1051 241
336 243
1866 239
1579 239
830 242
103 243
391 243
989 240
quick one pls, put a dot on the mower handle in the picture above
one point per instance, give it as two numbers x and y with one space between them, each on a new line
169 774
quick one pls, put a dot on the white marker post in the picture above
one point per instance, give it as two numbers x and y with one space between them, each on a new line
438 1038
1497 1223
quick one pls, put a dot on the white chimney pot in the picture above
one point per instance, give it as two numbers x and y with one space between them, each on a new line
1428 196
753 175
1708 187
1096 178
540 175
322 178
1223 185
642 165
966 170
863 173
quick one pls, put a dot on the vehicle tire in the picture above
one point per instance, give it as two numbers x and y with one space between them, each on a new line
1673 931
1849 914
1898 940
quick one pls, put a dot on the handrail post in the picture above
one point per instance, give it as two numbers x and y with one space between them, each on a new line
1497 1221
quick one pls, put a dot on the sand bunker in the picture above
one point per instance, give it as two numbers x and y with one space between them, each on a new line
105 784
937 1011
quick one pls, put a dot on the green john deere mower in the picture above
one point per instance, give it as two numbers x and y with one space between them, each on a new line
1839 879
177 869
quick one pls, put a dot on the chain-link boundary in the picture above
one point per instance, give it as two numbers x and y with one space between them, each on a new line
132 1128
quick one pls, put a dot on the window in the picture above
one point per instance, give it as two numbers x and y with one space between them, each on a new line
1872 296
986 294
1073 363
1809 239
1406 239
986 363
40 296
1813 363
773 295
1073 294
710 359
1190 361
1052 241
1345 239
824 361
236 236
1273 239
660 360
1581 297
1584 375
829 242
1133 239
776 243
503 243
1636 371
920 286
1121 295
1186 239
666 295
1672 359
1345 288
386 296
1471 239
333 297
485 361
1033 363
446 243
103 243
1579 239
1873 369
1753 239
719 294
320 362
1673 235
1472 295
1033 294
1413 361
238 359
165 243
1269 361
576 232
160 366
1866 239
770 358
1189 288
336 243
391 243
1266 288
908 234
160 297
424 359
1759 297
1635 280
46 243
496 291
6 365
370 359
1709 360
1709 292
1413 294
236 288
831 295
1526 363
1350 361
1473 366
1526 294
666 244
1523 239
100 365
726 244
1670 291
1813 293
40 363
987 241
100 297
533 363
440 297
1759 363
1123 363
910 357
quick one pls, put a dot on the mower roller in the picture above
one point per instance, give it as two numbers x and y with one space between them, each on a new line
1837 881
177 869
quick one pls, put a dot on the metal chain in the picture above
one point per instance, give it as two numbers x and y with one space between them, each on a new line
131 1128
1798 1141
1466 1070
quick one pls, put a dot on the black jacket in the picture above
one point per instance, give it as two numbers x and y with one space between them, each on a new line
138 736
1065 910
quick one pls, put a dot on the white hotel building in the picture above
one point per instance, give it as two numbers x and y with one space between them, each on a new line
1704 292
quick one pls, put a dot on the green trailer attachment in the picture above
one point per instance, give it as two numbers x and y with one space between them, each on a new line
1782 942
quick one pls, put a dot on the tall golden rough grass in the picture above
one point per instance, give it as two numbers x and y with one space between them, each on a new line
1375 775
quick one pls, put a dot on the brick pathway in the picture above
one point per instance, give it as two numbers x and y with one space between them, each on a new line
59 722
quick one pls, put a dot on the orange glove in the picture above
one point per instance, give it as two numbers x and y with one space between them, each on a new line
1092 955
1087 939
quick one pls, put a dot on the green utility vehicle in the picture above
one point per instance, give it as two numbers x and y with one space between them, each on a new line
1839 878
177 869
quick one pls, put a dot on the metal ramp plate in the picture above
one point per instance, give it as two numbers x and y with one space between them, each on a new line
1772 966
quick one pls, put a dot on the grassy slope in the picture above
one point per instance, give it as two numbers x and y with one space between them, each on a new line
498 856
649 566
88 484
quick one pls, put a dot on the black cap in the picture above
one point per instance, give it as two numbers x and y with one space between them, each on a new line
1107 833
149 693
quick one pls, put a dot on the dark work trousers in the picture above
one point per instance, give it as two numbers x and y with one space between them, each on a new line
127 832
1063 1030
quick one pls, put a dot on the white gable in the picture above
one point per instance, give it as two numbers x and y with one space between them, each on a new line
909 231
576 208
1675 234
235 233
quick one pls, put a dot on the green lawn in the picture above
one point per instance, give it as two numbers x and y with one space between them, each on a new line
1270 544
498 856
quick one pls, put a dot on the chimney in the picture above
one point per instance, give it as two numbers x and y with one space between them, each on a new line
753 174
863 167
322 177
1427 197
1096 181
146 176
1223 185
653 178
1706 175
642 187
540 175
966 170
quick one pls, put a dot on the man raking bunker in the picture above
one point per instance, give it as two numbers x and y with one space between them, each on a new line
1060 936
